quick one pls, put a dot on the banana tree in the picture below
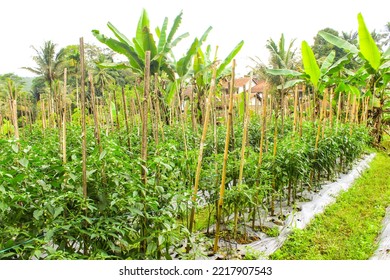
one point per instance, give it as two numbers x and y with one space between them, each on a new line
376 68
182 68
143 41
195 68
201 73
318 77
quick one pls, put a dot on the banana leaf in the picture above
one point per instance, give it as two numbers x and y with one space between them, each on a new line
119 35
283 72
367 45
327 62
175 27
142 22
229 58
310 64
162 36
338 42
184 62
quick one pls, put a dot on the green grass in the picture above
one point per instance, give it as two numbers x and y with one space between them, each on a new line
348 228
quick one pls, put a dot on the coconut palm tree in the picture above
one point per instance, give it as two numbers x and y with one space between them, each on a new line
282 56
49 63
386 41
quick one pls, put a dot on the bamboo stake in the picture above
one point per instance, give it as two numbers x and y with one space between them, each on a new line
295 109
363 110
43 116
95 113
15 118
126 117
273 161
338 111
366 110
117 113
243 146
324 113
83 127
331 108
352 115
64 118
357 111
263 115
300 119
193 117
157 109
144 146
347 108
13 109
316 144
225 157
111 119
200 155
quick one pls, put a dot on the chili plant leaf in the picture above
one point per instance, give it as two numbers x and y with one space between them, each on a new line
23 162
15 148
37 214
104 152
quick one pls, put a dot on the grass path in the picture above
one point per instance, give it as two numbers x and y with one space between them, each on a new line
348 228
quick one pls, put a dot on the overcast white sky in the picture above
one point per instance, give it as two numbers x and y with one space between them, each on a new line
26 23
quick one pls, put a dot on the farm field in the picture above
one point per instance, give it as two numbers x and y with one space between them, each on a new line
160 158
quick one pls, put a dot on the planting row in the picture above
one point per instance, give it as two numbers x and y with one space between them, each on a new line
44 213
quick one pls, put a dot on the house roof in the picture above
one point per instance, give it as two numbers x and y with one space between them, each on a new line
187 91
259 87
239 82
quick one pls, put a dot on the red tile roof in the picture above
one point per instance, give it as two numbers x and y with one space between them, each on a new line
240 82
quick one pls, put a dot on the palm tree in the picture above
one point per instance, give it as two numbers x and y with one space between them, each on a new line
49 63
386 41
282 56
103 76
351 37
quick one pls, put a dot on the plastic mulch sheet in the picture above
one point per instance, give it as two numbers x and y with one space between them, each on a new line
383 251
319 201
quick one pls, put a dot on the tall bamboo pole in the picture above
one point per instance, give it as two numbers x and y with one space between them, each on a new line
338 111
347 108
331 108
144 147
295 109
201 148
357 111
64 118
126 117
95 113
273 161
317 139
43 116
15 118
324 113
352 115
243 146
117 112
300 118
225 157
83 126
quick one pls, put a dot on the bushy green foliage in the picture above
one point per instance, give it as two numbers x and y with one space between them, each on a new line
44 215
